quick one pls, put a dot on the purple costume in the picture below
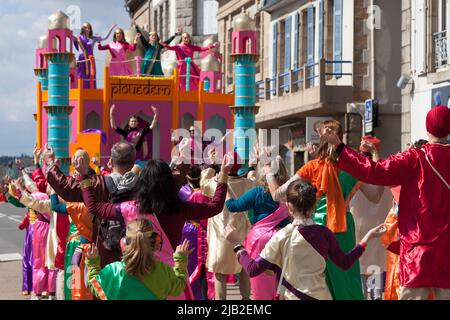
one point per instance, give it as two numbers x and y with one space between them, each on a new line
85 45
27 260
190 232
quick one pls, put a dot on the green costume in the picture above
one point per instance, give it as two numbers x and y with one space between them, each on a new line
113 283
152 51
72 244
343 285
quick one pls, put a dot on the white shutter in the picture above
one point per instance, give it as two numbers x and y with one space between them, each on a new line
420 37
447 27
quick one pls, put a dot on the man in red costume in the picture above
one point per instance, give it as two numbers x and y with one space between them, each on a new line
424 205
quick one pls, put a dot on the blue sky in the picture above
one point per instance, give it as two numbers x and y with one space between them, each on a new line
22 23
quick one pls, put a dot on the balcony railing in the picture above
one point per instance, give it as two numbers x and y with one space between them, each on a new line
298 79
440 49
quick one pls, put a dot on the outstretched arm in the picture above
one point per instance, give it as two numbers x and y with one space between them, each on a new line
155 118
144 41
103 210
98 39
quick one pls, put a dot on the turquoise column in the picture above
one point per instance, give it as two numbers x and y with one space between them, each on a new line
42 75
206 85
58 109
244 105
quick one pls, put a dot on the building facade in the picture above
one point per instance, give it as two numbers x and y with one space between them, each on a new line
425 65
322 58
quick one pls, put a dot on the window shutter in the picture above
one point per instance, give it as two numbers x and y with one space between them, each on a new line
274 57
310 42
447 26
296 52
321 12
421 44
287 45
337 47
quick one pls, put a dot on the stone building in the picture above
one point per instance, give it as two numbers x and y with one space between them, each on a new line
425 64
322 58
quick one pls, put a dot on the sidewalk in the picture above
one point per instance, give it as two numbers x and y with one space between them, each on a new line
11 280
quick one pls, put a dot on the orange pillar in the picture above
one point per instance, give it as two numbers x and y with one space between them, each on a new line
80 98
175 100
106 90
201 106
39 115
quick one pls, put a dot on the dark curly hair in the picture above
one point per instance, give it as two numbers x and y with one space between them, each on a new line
158 193
302 195
193 176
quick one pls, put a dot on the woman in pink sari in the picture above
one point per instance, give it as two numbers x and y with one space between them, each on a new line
185 50
118 49
268 216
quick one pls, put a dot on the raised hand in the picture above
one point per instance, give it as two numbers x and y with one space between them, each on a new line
183 248
92 252
95 161
48 155
367 146
227 163
331 137
36 153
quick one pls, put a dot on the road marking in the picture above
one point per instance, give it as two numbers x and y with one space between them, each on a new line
10 257
13 218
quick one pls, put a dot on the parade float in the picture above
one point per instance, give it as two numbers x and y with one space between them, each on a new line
72 115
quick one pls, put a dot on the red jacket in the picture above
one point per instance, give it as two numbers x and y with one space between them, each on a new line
424 209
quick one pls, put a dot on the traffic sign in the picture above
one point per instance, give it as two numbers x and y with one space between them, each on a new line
368 117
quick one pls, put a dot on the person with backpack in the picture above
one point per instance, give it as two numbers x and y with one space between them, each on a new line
298 252
424 204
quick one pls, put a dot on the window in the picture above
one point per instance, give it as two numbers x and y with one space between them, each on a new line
93 121
227 55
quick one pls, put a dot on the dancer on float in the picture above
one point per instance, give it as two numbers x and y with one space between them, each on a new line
84 43
134 135
151 65
118 49
185 49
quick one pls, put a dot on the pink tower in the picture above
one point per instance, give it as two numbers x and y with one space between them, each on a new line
211 68
60 39
243 41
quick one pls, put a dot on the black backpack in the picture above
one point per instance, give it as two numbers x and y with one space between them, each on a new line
112 231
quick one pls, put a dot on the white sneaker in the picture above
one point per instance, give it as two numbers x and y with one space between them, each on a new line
36 298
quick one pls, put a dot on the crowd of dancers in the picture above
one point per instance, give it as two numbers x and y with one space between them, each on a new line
182 230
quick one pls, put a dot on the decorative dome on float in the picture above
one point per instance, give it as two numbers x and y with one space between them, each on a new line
243 22
170 67
43 42
210 63
209 41
58 20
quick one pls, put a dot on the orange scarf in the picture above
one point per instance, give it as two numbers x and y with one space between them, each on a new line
323 174
81 217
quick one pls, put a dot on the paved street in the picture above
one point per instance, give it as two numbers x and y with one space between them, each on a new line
11 242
